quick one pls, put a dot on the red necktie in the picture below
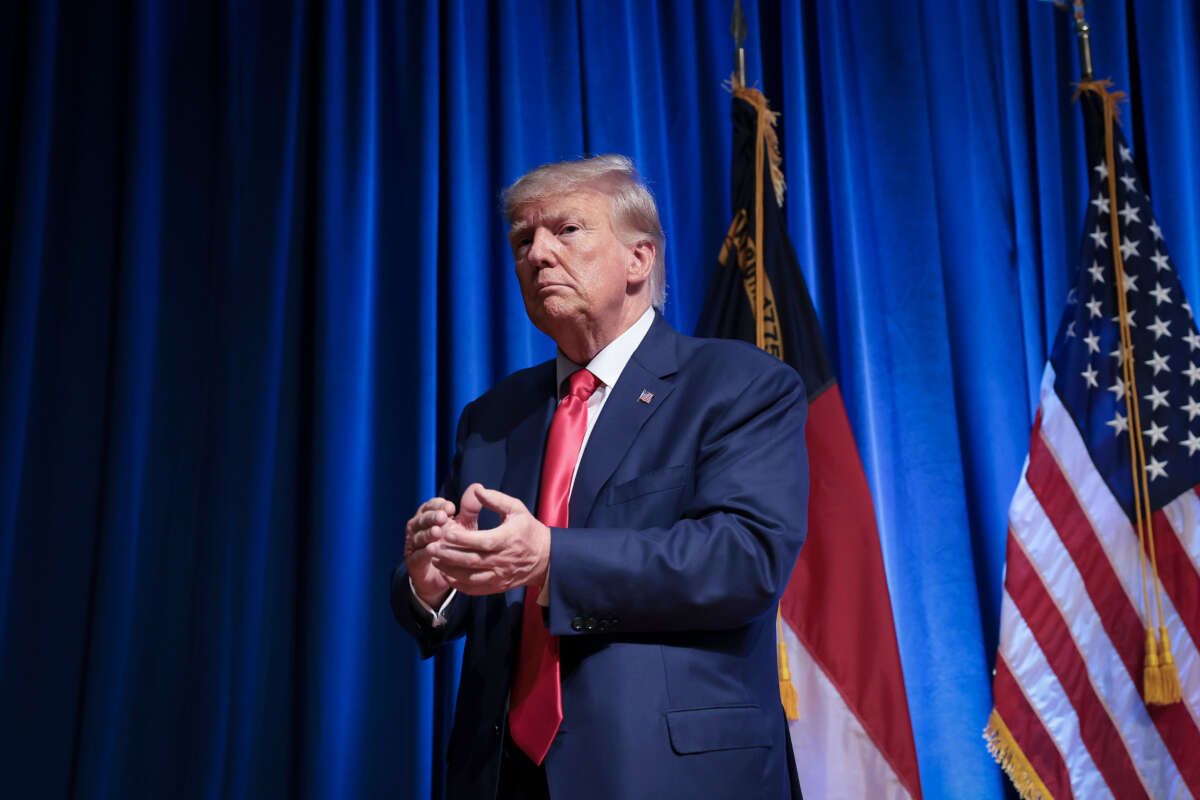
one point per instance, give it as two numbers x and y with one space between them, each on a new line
535 706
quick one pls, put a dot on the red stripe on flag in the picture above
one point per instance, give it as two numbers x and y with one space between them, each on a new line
837 600
1057 498
1117 614
1030 734
1178 575
1096 728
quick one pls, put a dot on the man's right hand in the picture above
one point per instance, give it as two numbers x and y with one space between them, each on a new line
424 527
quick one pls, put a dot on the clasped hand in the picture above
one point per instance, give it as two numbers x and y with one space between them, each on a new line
445 551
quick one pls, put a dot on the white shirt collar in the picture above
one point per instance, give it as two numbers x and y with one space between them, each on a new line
609 363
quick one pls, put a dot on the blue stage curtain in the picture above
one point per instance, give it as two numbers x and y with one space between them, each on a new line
253 267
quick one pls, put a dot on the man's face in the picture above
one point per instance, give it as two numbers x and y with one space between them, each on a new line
575 273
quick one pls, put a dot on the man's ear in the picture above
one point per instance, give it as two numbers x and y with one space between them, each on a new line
641 261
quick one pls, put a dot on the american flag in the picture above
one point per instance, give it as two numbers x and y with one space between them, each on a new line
1069 717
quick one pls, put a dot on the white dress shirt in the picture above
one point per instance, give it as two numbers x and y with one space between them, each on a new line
607 366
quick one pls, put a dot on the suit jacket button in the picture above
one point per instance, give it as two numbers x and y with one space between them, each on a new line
589 624
577 624
496 729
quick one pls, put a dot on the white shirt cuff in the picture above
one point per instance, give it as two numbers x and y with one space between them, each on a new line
438 618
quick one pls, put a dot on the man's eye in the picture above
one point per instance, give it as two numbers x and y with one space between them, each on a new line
569 228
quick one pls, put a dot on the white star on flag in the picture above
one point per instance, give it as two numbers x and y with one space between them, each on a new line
1101 203
1192 443
1160 261
1159 362
1192 339
1119 424
1093 342
1129 247
1129 315
1089 375
1192 408
1156 469
1097 272
1102 169
1130 183
1160 294
1193 373
1099 236
1159 327
1157 433
1129 213
1158 397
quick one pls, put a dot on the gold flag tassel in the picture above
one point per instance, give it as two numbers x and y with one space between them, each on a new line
787 689
1160 678
1171 688
1151 671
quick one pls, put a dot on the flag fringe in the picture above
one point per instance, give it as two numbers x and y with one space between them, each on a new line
1010 757
1101 87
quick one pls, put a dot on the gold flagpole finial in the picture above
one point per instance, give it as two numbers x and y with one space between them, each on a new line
738 28
1082 31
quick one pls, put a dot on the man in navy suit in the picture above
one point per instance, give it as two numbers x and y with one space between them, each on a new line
623 645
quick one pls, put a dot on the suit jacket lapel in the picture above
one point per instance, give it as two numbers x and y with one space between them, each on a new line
624 415
524 451
527 443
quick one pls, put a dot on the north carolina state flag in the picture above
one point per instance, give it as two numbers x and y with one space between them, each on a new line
850 728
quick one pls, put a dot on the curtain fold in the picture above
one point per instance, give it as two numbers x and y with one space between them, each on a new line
253 266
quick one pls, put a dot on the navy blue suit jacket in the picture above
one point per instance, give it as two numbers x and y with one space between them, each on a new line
687 515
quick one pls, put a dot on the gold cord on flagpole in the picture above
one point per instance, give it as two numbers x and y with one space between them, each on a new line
766 146
759 306
768 336
1160 677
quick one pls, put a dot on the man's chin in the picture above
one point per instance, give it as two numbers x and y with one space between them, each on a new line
555 318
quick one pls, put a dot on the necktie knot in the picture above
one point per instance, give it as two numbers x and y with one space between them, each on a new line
582 384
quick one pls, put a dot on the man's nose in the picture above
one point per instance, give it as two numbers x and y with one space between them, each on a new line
542 246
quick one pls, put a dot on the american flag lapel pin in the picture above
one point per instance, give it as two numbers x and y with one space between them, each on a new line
646 396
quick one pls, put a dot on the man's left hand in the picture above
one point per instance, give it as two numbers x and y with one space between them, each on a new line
517 553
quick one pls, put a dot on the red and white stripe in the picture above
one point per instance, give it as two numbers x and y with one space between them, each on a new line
835 756
1068 680
854 736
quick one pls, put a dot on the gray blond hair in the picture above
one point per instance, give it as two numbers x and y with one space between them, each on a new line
631 206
